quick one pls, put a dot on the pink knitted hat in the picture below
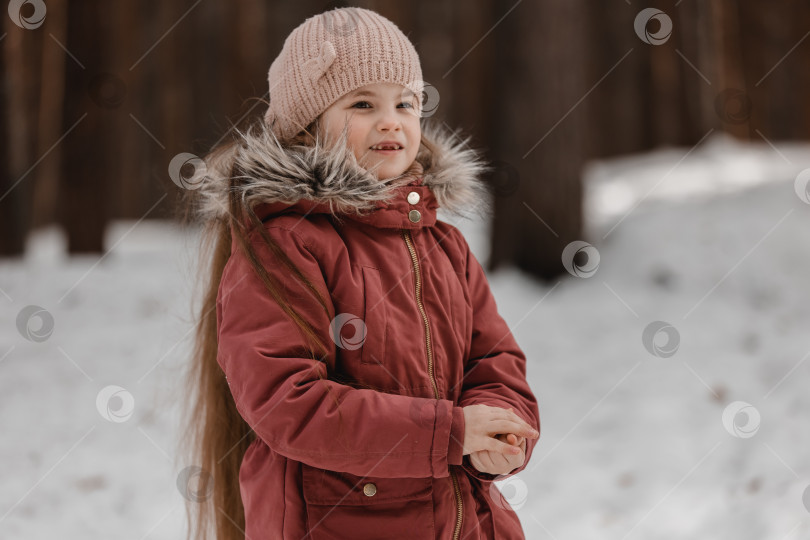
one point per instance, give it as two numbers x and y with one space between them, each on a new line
331 54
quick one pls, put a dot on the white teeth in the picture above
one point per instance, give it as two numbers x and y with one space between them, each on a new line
387 147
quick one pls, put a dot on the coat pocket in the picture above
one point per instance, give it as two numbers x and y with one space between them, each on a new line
374 318
342 505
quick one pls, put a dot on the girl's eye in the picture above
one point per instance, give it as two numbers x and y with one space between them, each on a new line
407 104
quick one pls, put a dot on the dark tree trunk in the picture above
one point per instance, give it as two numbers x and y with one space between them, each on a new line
90 103
21 54
539 134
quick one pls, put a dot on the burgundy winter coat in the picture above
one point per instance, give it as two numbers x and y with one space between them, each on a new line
380 459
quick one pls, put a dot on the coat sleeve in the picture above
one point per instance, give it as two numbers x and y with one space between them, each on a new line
495 372
276 386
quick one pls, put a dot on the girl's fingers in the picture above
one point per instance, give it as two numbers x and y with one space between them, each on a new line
504 448
499 461
500 444
516 418
521 426
486 460
521 429
495 445
494 462
510 438
509 414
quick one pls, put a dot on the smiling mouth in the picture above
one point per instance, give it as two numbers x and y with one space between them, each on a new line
387 150
386 146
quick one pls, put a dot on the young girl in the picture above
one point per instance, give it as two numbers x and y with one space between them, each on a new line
353 378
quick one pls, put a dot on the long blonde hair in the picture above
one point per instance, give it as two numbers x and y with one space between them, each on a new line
216 436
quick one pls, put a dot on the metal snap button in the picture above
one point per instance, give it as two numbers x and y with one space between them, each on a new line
414 215
413 197
370 489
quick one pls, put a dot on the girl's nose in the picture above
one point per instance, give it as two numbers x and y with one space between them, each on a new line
388 121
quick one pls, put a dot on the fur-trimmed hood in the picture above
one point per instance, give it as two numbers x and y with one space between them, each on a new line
276 178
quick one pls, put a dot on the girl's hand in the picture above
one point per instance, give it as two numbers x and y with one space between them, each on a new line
482 423
487 461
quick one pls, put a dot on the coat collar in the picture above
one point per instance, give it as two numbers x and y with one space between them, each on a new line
275 180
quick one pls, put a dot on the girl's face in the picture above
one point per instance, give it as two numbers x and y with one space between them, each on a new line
377 113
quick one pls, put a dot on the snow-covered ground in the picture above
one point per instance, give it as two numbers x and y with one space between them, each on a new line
711 241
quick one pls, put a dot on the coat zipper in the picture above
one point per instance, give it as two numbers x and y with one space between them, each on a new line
406 235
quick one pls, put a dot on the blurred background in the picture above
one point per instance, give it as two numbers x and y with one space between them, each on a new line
649 248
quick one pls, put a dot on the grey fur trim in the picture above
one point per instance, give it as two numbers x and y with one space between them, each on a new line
264 170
